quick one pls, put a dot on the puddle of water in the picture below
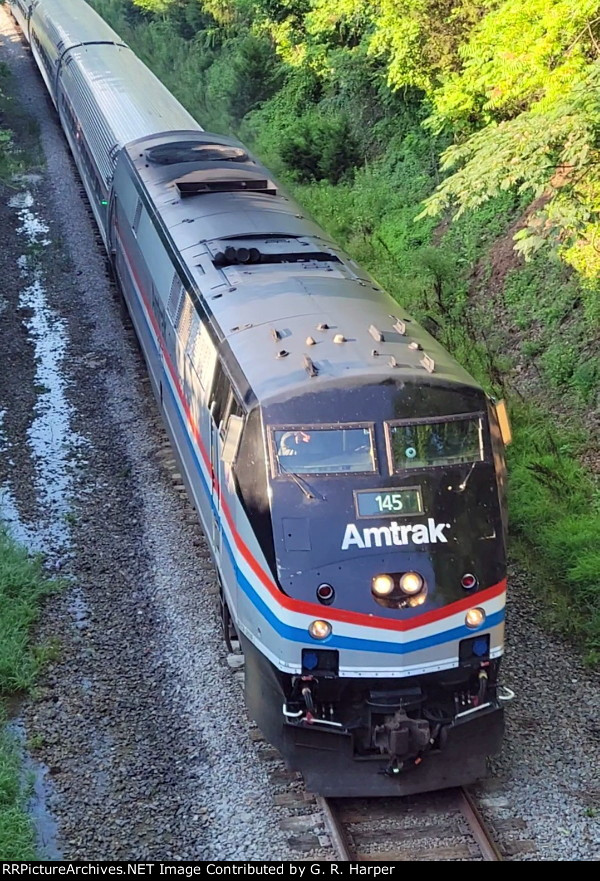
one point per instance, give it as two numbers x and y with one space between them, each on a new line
30 178
50 438
31 226
36 776
53 448
52 444
78 608
21 201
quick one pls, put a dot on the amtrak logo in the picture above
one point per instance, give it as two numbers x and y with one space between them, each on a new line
395 534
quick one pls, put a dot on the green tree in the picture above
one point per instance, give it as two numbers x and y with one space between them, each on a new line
532 84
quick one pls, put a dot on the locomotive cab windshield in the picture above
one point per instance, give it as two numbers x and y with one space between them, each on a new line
322 449
423 443
412 487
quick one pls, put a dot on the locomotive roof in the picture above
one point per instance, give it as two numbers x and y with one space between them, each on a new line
305 314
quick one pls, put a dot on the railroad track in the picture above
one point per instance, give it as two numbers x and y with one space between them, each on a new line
444 825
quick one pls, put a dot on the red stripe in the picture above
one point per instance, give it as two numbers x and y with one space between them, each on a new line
312 609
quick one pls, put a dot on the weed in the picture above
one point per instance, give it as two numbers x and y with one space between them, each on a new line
22 588
35 741
16 833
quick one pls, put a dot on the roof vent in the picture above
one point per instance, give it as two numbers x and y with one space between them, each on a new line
194 151
204 181
400 326
416 347
310 341
323 326
310 366
232 256
376 334
275 334
274 249
282 354
339 338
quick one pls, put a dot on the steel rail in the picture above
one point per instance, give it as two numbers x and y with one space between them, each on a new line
472 814
466 804
335 829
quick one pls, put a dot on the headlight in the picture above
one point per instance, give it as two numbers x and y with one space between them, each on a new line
383 585
319 629
411 583
474 618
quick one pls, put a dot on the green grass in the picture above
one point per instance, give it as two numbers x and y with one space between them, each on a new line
15 158
16 833
22 588
555 517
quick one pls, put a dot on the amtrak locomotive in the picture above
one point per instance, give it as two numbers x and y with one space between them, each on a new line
348 473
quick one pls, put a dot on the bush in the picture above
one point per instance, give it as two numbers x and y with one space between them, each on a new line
255 74
319 148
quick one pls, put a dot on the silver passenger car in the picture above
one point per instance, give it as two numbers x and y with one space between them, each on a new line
105 95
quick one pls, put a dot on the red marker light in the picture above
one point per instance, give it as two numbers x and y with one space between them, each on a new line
325 593
468 581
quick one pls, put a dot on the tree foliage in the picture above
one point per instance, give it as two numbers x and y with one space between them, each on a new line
550 151
529 88
511 88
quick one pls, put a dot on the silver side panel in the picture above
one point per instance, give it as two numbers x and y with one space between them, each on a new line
117 100
58 25
115 97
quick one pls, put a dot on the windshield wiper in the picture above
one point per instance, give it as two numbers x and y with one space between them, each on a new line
302 484
462 486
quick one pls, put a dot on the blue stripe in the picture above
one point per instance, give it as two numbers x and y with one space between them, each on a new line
295 634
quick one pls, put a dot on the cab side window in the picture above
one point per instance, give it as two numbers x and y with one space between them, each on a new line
223 401
220 395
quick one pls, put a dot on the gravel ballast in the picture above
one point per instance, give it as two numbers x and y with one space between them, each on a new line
139 721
